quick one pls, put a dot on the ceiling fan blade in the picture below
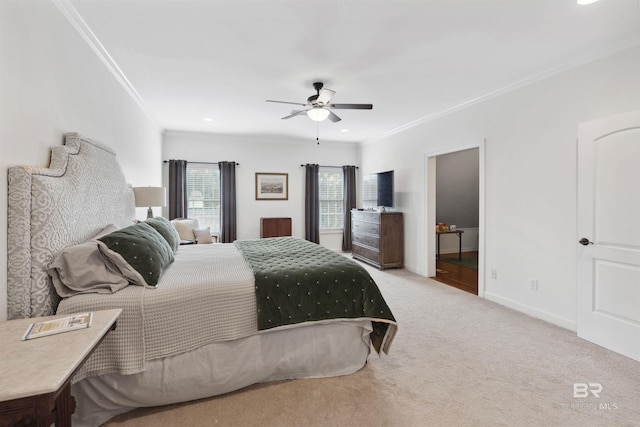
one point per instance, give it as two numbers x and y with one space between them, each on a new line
325 96
286 102
295 113
333 117
351 106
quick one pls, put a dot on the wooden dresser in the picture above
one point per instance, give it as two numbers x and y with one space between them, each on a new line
275 227
378 238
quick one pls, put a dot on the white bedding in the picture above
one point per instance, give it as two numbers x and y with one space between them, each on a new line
195 303
196 336
309 351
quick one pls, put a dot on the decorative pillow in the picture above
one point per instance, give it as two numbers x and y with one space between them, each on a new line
168 231
138 252
203 235
185 228
81 269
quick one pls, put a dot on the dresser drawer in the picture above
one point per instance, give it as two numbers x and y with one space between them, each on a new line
365 227
366 239
365 253
369 216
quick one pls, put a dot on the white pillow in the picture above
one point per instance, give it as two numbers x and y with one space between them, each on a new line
80 269
203 235
185 228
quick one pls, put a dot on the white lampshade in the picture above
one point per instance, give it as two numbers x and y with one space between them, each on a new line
318 114
149 197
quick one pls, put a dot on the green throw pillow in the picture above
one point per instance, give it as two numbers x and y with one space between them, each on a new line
163 226
138 252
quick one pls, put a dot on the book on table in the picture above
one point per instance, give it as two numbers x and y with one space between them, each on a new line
58 326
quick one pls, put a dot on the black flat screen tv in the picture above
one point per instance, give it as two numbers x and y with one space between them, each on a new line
378 190
385 189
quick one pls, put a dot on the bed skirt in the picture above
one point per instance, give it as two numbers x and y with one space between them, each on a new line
311 351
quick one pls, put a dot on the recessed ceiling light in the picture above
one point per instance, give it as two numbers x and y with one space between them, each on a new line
344 130
208 119
583 2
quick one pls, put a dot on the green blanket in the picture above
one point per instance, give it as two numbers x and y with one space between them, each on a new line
299 281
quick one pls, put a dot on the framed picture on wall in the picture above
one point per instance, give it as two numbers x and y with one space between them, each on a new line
272 186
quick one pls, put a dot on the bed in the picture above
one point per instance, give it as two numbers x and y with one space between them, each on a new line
217 317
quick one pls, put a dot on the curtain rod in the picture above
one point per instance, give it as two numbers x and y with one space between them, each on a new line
201 163
339 167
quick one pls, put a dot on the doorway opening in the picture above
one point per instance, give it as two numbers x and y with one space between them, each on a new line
461 276
455 217
457 187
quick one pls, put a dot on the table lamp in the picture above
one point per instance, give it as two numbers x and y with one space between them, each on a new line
149 197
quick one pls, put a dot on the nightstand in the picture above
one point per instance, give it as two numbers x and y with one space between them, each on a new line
36 374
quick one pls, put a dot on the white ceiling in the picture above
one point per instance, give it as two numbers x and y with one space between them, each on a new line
189 60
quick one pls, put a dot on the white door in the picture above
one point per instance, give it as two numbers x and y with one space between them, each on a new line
609 233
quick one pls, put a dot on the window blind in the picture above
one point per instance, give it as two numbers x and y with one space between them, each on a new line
203 194
331 198
369 192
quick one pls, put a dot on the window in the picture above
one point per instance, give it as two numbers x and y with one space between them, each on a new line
203 194
370 192
331 198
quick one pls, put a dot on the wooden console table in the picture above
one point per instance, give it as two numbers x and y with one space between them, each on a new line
36 374
459 233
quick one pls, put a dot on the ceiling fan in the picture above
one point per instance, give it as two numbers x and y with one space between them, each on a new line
318 106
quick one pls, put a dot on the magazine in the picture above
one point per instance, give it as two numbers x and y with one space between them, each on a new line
58 326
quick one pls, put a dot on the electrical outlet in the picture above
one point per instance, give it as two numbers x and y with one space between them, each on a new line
494 274
533 284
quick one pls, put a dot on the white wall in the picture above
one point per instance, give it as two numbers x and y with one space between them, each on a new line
51 82
255 154
530 162
457 184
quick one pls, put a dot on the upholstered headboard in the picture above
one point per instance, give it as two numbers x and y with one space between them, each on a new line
49 209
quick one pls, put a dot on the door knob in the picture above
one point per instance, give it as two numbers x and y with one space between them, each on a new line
584 241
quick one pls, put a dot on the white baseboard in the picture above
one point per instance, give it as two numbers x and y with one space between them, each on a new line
414 270
533 312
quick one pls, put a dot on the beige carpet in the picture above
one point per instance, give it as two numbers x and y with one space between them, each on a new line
457 360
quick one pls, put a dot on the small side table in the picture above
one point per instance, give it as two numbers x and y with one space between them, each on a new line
459 233
36 374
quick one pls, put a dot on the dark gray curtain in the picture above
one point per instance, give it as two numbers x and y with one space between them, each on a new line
228 224
177 189
349 196
312 204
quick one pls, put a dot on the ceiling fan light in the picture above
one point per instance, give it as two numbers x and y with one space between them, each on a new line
318 114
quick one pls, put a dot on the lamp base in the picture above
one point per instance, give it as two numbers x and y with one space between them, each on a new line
149 213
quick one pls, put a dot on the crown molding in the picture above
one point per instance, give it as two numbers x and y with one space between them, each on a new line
593 56
101 52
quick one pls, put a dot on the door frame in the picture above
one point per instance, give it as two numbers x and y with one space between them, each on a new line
430 207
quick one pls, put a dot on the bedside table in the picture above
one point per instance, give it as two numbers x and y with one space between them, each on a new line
36 374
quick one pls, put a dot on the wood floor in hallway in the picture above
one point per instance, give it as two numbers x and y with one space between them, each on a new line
458 276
